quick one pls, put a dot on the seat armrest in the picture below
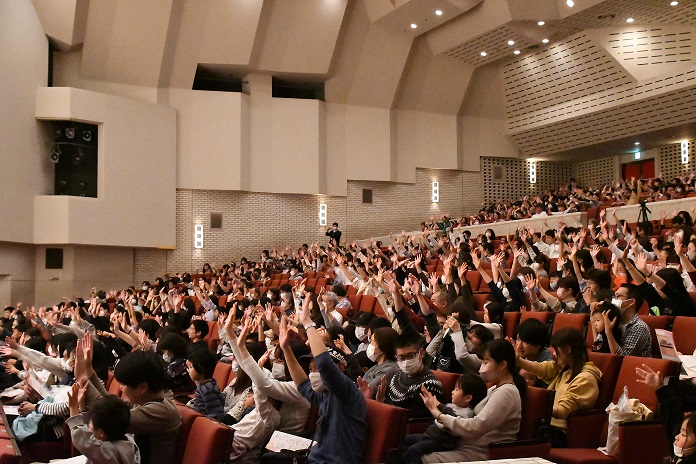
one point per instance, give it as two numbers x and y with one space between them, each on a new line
643 441
418 424
519 449
585 427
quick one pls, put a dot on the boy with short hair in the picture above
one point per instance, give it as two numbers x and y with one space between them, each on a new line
209 400
100 434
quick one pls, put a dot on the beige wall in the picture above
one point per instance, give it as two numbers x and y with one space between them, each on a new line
136 178
16 274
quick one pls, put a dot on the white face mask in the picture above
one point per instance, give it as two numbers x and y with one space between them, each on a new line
553 285
411 367
191 292
370 353
361 333
134 301
506 293
317 383
278 371
269 295
679 451
619 304
487 373
167 357
145 287
535 266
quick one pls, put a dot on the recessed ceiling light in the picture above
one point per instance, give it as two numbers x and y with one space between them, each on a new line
675 3
570 3
516 52
637 143
541 23
484 54
438 12
629 20
511 42
414 25
545 41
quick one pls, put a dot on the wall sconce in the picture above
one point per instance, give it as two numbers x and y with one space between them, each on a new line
322 214
685 151
532 173
436 192
198 236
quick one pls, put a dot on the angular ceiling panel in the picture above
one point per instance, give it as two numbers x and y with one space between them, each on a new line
63 22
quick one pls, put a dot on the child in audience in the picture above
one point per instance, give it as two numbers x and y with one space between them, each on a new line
209 400
101 438
597 326
468 392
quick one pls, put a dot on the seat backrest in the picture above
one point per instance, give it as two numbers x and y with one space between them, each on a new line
656 322
367 303
537 405
449 381
386 426
221 374
355 302
188 415
474 278
683 331
575 321
629 378
543 316
208 442
610 365
510 322
480 299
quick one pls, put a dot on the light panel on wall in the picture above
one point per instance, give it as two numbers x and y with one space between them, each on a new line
322 214
685 151
436 192
636 155
532 173
198 236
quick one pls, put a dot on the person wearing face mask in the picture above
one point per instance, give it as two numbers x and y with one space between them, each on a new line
636 333
510 296
403 388
174 350
341 434
497 417
380 351
567 300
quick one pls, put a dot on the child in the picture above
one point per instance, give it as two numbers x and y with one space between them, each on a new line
468 392
104 440
209 400
597 324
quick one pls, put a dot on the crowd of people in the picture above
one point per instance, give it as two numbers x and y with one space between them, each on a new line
294 346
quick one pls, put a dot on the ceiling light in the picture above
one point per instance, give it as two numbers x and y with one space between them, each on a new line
511 42
675 3
516 52
438 12
414 25
637 143
541 23
484 54
629 20
545 41
570 3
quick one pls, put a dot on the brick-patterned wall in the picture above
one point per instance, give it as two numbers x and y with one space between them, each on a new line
670 160
515 182
595 173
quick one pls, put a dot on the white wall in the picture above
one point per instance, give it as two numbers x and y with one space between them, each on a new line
136 179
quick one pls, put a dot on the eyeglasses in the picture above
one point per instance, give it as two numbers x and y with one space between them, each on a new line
407 356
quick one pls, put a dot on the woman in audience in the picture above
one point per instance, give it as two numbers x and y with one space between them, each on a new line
381 351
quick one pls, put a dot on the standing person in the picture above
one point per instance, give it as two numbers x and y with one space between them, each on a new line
334 235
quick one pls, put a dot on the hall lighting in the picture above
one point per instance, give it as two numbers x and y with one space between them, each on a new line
532 173
541 23
685 151
516 52
637 143
484 54
545 41
629 20
636 155
438 12
674 3
436 192
414 25
322 214
198 236
511 42
570 3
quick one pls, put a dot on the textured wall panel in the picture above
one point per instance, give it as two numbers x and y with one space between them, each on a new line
595 173
670 161
653 46
515 181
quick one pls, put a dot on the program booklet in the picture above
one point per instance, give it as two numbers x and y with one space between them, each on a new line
666 342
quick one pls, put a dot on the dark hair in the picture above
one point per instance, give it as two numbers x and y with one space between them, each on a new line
534 332
36 344
500 350
407 339
376 323
175 343
112 415
150 326
385 337
200 326
571 283
614 313
472 384
600 276
339 290
569 337
495 312
137 367
673 278
203 361
634 293
482 332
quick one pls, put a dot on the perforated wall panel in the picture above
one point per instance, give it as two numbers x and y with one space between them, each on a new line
670 160
652 46
493 42
515 183
595 173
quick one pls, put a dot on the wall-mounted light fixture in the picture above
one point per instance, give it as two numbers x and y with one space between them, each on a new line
636 155
198 236
436 192
685 151
532 172
322 214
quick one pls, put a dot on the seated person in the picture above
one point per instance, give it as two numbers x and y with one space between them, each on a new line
100 434
598 327
469 391
531 343
174 350
209 400
196 332
155 420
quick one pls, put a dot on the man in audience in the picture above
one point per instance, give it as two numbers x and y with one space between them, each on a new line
636 339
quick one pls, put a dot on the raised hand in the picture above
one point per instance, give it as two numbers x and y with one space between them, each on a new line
283 335
594 251
649 377
530 282
641 262
608 323
364 388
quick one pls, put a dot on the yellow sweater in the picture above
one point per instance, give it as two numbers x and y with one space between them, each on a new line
581 393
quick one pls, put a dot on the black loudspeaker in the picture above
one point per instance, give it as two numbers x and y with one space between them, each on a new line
76 160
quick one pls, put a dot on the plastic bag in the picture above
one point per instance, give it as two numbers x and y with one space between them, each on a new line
627 410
